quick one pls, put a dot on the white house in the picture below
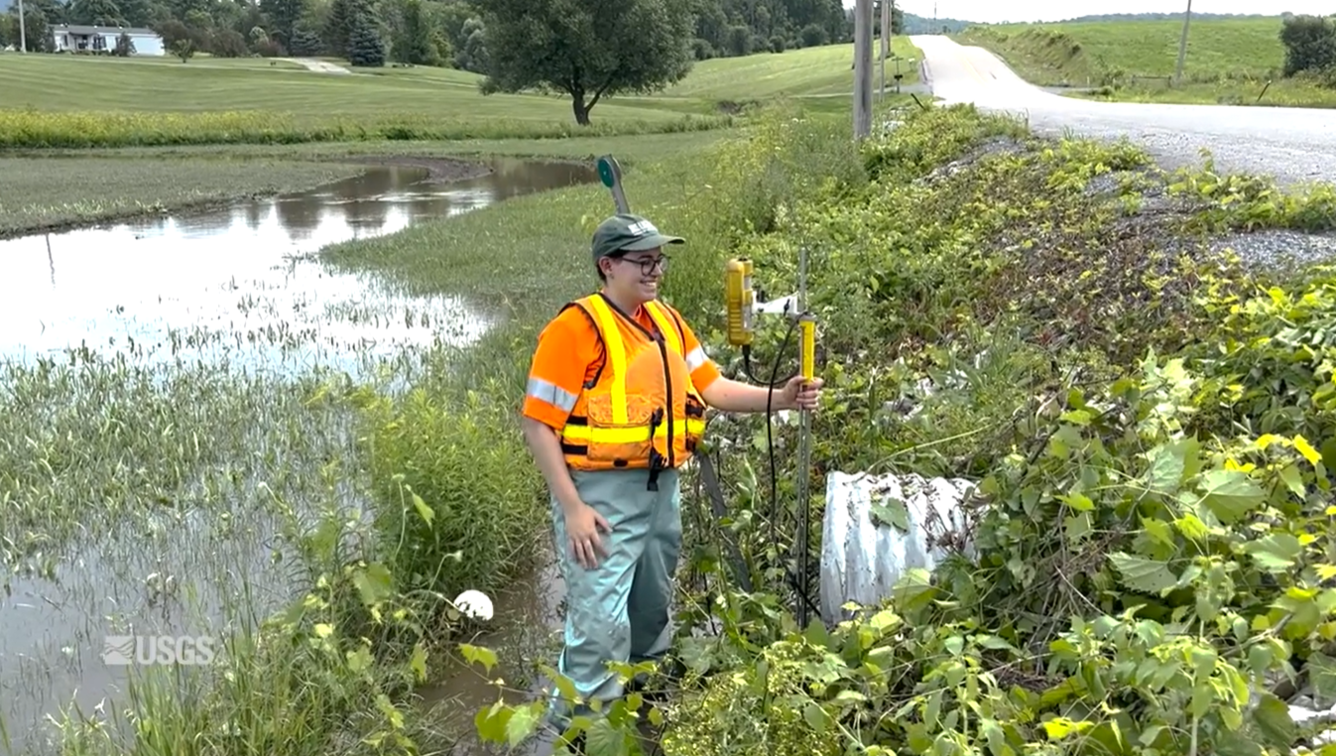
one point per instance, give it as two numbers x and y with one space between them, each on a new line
75 38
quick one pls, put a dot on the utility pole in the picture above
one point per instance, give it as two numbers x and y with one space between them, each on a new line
885 20
862 68
1183 45
887 15
23 32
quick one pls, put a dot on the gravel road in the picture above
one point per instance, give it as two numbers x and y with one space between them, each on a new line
1294 145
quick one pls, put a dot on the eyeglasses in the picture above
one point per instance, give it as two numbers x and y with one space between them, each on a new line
647 264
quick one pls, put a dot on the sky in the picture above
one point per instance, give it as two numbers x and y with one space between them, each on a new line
995 11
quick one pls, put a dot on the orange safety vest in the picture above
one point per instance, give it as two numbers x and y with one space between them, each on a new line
640 409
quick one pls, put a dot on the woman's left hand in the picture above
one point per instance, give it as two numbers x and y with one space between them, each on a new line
799 394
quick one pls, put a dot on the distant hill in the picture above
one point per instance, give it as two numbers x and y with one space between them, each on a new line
924 25
1133 50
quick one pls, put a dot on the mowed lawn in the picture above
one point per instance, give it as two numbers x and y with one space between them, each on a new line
77 83
69 83
814 71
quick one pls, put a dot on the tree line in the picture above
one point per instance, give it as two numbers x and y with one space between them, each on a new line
587 49
427 32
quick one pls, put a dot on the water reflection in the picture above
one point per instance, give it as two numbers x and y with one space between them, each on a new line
230 281
244 270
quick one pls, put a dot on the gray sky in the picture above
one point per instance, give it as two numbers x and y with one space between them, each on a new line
993 11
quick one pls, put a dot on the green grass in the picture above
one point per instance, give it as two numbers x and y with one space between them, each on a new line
57 188
1228 60
78 83
814 71
116 182
82 102
69 83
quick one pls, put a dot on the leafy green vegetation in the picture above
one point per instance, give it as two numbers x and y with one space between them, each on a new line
1148 526
1231 61
587 52
1149 426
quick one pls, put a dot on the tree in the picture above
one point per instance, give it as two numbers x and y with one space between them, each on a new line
183 49
283 17
1310 43
125 47
364 44
813 35
306 43
36 31
413 43
340 21
471 51
588 49
96 13
897 19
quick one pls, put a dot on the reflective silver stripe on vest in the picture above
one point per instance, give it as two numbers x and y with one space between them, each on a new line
551 393
695 358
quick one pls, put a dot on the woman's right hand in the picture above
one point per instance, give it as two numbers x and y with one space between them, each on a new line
582 526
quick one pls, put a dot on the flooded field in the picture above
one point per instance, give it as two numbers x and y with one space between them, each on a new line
244 277
159 450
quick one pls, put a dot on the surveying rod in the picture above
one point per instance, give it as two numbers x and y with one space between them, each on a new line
807 366
740 303
610 173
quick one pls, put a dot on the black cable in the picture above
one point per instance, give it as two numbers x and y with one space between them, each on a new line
799 583
773 382
770 438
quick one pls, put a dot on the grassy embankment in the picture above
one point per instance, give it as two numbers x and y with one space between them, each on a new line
1157 516
148 450
221 119
1229 61
1149 426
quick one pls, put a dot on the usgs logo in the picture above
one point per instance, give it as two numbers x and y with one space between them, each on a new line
121 650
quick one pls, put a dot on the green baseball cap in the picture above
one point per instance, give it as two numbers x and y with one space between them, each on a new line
628 233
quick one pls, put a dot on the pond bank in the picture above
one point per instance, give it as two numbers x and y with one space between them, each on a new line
66 191
192 280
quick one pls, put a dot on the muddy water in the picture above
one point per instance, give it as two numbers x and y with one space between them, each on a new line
525 631
243 277
234 281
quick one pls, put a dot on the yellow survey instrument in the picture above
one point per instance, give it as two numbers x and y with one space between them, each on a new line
739 300
807 345
742 308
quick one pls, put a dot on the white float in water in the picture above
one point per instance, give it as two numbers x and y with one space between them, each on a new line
474 604
862 558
